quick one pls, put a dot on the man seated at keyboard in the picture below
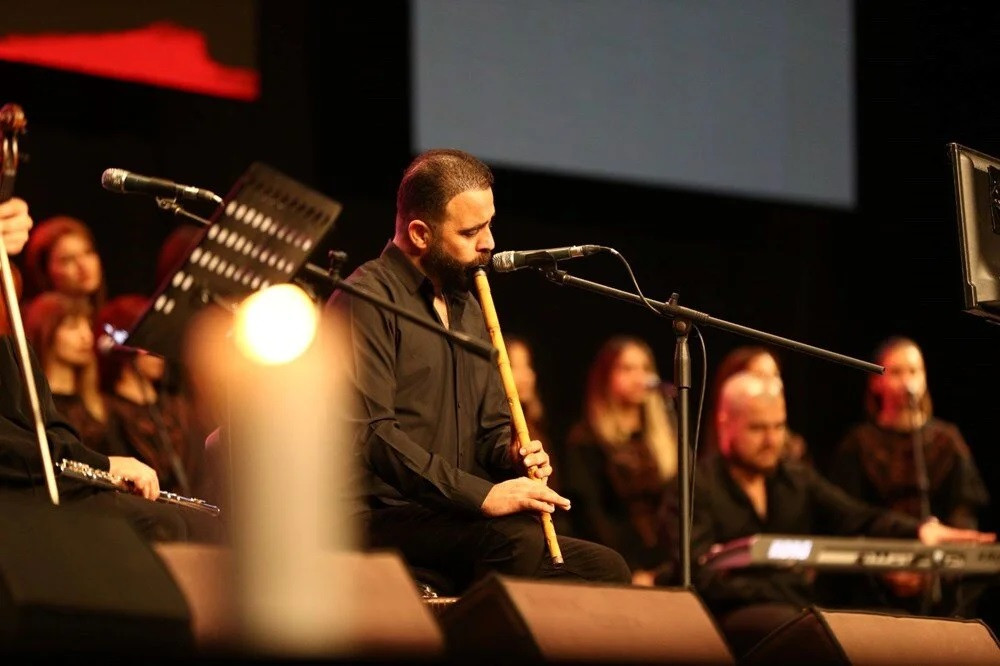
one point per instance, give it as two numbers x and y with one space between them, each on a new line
749 489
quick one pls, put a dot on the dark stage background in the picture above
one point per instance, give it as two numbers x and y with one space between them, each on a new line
334 113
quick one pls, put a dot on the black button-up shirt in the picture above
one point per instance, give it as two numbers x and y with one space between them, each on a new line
799 501
431 423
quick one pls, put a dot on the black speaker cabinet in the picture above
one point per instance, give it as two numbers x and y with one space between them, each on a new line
388 621
79 581
825 637
506 619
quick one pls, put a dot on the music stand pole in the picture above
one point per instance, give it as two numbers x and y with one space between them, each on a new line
683 318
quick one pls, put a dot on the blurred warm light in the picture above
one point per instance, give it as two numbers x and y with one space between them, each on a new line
272 372
276 325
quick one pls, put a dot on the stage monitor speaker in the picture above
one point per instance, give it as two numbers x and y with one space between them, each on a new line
506 619
821 637
76 581
388 620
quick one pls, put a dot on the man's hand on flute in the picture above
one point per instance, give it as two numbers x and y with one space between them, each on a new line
522 494
533 455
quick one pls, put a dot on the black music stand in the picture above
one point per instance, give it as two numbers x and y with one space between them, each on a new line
260 235
977 202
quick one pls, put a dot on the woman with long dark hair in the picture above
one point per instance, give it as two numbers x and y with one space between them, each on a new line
58 328
621 455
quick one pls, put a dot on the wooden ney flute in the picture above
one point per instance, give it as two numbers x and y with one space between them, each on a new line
518 424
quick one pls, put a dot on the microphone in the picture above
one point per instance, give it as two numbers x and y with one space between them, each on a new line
120 180
111 341
654 383
106 346
504 262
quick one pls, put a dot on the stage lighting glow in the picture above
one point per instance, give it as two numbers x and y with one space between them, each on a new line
276 325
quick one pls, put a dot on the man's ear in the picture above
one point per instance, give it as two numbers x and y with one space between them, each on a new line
419 233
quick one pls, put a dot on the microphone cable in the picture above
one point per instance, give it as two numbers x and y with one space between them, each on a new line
701 393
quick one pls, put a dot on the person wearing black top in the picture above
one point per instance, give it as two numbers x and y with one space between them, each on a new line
21 473
750 488
58 329
621 455
899 450
439 481
146 421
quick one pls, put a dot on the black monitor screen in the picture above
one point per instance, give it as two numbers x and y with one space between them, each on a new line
977 199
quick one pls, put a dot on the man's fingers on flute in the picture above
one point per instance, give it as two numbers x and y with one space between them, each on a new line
521 494
549 496
538 459
543 473
536 505
533 446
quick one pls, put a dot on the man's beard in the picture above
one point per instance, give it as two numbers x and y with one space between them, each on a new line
451 273
749 464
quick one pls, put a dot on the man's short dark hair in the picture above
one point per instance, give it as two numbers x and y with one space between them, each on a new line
433 179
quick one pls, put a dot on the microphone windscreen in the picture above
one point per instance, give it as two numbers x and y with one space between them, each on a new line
503 262
114 179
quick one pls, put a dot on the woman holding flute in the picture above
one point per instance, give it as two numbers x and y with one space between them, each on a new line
443 477
21 466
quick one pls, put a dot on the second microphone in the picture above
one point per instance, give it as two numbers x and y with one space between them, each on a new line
512 260
120 180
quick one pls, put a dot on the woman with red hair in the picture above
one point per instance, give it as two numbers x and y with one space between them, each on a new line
61 256
904 458
876 461
149 423
58 328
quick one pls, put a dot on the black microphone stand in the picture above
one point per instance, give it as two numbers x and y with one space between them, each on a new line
920 460
683 319
932 593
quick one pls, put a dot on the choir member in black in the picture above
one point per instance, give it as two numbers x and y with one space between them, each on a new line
751 488
878 461
155 426
59 330
21 467
61 256
621 455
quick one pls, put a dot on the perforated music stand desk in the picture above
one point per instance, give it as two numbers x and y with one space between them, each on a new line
260 235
